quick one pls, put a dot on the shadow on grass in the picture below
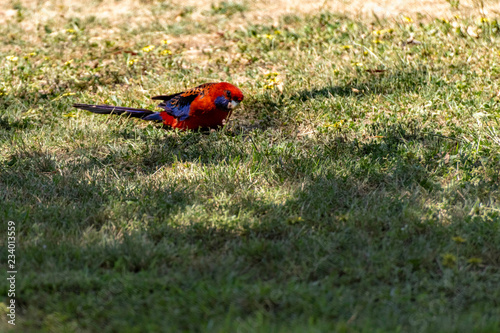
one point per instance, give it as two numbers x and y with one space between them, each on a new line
79 194
98 182
9 125
356 236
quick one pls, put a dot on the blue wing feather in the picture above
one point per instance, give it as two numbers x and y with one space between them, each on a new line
178 105
179 108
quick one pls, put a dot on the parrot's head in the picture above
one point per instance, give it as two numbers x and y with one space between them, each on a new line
228 96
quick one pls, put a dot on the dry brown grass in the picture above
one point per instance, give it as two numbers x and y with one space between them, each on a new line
138 12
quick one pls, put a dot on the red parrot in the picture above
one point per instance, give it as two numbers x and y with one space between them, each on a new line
206 106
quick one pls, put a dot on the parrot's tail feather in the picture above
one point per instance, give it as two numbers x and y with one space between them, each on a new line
110 109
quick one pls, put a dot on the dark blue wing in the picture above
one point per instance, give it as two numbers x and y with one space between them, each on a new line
178 105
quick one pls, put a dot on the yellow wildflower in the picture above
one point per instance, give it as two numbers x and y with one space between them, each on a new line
132 61
294 220
166 41
148 48
71 114
70 31
12 58
458 239
67 63
272 81
407 19
166 52
337 124
475 261
449 260
63 95
382 32
347 47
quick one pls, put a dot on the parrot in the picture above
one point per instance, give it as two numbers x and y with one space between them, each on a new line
206 106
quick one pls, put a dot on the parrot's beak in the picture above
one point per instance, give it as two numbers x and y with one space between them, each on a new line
233 104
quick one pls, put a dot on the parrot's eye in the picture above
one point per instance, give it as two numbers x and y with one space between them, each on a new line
228 93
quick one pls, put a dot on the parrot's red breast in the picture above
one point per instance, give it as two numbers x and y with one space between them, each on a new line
205 106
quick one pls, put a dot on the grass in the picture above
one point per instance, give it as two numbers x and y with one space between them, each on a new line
356 189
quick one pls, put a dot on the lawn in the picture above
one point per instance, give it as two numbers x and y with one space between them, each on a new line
356 189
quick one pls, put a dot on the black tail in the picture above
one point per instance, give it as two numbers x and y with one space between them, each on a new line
110 109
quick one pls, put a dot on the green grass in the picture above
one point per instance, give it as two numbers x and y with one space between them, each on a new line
356 189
